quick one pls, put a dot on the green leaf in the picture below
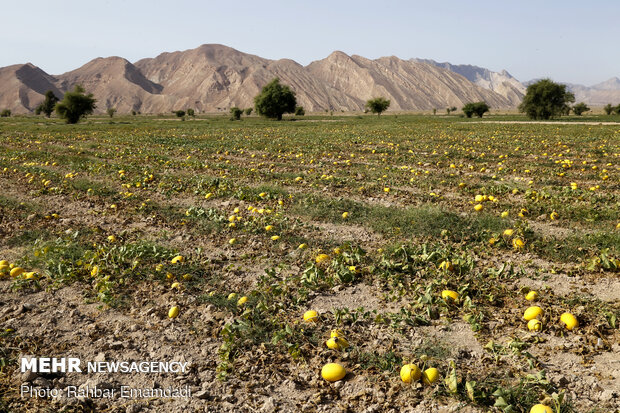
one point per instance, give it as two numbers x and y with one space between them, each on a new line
451 381
469 386
500 402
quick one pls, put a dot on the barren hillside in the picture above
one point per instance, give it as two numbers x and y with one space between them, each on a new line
215 77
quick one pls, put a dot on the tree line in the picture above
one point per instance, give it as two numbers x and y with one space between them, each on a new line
544 99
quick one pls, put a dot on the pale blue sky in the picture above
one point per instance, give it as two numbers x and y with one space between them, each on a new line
569 41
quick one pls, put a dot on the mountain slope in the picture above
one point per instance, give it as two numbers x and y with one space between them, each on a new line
115 82
216 77
500 82
409 85
23 87
609 84
596 95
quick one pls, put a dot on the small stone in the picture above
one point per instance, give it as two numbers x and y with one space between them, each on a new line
202 395
607 395
372 409
41 382
563 382
28 376
269 406
134 408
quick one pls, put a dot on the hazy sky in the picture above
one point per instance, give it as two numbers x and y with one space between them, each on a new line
569 41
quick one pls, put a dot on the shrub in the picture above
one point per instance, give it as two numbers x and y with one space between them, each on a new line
476 108
580 108
47 106
75 105
546 99
275 100
378 105
235 113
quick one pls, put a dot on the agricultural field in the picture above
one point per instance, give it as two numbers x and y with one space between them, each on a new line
418 238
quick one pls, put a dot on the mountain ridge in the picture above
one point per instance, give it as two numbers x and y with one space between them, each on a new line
215 77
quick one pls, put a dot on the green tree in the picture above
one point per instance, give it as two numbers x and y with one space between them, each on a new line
76 105
617 109
299 111
468 109
248 111
378 105
546 99
111 112
450 109
47 106
190 112
274 100
608 109
235 113
580 108
5 113
475 108
179 113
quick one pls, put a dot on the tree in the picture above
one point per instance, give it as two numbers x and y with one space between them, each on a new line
235 112
608 109
299 111
580 108
190 112
111 112
5 113
179 113
476 108
275 100
546 99
47 106
450 109
248 111
76 105
617 109
378 105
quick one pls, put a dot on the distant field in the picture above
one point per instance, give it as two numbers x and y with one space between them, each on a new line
364 219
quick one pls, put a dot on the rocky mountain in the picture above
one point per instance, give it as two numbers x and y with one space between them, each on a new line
599 94
499 82
115 82
409 85
22 87
215 77
610 84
